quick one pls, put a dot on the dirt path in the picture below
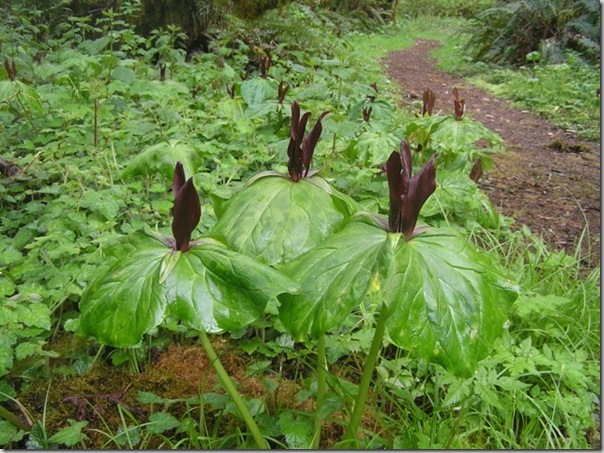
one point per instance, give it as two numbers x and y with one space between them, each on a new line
546 179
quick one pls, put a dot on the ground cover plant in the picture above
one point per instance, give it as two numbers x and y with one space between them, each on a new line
453 331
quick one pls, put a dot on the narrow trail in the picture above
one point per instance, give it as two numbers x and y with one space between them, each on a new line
547 178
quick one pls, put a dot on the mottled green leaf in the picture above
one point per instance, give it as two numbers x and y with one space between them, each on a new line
210 287
257 90
373 147
161 158
71 435
334 277
456 135
122 305
458 197
9 433
297 430
215 289
446 301
162 421
274 220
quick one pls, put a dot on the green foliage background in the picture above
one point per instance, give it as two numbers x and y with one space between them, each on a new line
97 129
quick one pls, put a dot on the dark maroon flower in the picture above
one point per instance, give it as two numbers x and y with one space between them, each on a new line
407 194
186 210
11 70
476 172
301 149
282 90
459 104
428 100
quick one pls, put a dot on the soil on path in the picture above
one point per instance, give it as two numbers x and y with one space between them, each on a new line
547 178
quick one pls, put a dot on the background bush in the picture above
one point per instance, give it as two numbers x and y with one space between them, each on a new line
511 30
444 8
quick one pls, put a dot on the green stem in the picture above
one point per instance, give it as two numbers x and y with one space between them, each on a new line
232 391
321 379
359 404
13 419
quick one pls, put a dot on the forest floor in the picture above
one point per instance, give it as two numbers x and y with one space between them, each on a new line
547 178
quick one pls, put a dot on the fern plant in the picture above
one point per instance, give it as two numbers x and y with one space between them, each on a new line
511 30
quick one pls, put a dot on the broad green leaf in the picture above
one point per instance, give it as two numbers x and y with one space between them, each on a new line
381 110
210 287
95 46
458 197
71 435
8 90
297 431
9 433
214 289
127 301
258 90
334 277
373 147
162 421
275 220
445 300
161 158
263 109
104 202
124 74
455 135
29 97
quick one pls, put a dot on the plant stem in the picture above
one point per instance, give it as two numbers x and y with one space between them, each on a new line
12 418
232 391
321 379
374 352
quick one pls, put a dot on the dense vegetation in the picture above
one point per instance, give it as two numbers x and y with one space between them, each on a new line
96 116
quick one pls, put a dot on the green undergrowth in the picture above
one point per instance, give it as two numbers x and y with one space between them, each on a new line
566 93
96 123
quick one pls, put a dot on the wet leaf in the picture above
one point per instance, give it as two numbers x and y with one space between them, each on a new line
210 288
274 220
214 289
446 301
125 303
334 277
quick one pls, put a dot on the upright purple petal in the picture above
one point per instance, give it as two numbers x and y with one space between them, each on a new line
429 98
179 178
294 150
310 142
407 193
394 170
458 104
421 186
186 210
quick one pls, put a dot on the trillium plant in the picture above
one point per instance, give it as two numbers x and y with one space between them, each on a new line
442 299
439 297
277 217
206 285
